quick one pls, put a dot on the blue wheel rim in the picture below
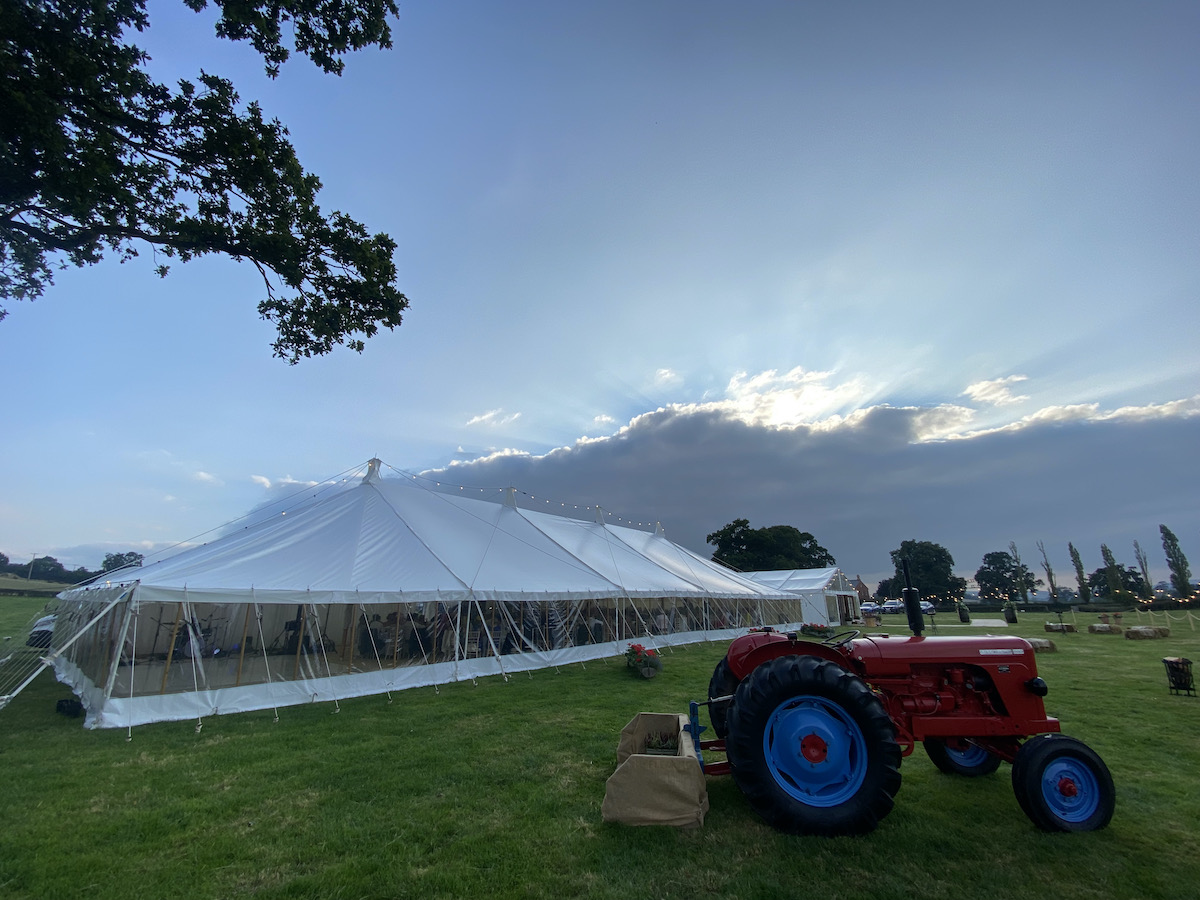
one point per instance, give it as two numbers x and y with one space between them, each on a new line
811 721
970 756
1070 789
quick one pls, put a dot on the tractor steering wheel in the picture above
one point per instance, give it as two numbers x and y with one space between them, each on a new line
841 637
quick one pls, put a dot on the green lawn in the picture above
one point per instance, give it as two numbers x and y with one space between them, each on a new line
495 789
11 582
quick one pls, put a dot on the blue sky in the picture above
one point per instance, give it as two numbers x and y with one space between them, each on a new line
877 271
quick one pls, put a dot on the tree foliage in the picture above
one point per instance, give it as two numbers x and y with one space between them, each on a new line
1023 583
1004 577
1177 563
97 158
1111 581
1085 592
45 568
1051 585
765 549
121 560
931 568
1143 563
1111 570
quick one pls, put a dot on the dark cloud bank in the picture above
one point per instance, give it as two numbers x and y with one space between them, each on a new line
862 488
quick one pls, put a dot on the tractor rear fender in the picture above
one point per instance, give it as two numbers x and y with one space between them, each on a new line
750 651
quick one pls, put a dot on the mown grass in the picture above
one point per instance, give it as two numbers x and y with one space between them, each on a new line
494 789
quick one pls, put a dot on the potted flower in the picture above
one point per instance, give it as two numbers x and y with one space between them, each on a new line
1010 612
643 660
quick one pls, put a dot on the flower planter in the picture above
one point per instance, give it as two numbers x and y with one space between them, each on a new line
643 660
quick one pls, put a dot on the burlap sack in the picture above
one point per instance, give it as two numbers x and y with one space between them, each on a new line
655 790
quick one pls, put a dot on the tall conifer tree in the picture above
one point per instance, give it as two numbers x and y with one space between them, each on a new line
1085 592
1181 574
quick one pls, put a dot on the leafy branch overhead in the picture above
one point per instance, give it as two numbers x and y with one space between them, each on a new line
97 158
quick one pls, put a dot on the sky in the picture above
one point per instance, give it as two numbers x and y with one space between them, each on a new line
882 272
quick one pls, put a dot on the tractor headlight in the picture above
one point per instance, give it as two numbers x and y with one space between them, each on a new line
1037 686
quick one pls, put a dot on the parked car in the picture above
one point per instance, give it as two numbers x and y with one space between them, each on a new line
928 608
869 609
892 606
41 633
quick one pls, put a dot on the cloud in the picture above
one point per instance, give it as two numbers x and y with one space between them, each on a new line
262 481
207 478
866 481
493 418
603 421
1091 412
667 378
796 397
996 392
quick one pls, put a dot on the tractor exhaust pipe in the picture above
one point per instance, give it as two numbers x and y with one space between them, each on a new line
912 603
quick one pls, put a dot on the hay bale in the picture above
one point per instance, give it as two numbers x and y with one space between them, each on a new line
1063 627
1146 632
1042 645
1104 629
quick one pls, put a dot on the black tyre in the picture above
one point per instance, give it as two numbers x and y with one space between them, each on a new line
722 684
1062 784
812 748
958 757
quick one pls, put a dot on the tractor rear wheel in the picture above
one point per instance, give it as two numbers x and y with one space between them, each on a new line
812 747
955 756
1062 784
722 684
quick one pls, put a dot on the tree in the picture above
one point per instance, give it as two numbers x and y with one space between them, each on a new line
1181 573
97 158
1111 570
121 560
1126 580
932 570
888 589
1024 582
1144 567
1085 592
47 568
1003 577
1049 573
764 549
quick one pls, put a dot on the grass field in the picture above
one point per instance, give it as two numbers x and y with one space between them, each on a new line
11 582
495 789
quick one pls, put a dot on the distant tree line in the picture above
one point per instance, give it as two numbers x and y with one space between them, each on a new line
1002 577
47 568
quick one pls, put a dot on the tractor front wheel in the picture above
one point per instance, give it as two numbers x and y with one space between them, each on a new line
812 747
1062 784
955 756
722 684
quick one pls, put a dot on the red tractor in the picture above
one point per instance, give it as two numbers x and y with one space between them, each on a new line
814 732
